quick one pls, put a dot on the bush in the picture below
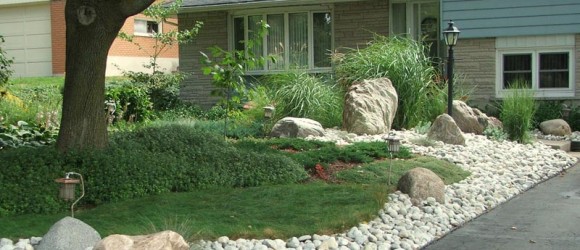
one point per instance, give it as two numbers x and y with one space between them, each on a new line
547 110
517 113
5 62
132 102
299 94
411 71
162 88
574 118
152 160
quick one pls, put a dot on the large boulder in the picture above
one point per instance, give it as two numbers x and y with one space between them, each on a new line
446 130
487 121
556 127
370 107
466 118
166 240
420 184
297 127
69 234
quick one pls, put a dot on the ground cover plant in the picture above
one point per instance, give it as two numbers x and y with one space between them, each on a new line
308 206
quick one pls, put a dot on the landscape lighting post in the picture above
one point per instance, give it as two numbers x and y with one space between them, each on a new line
450 35
393 147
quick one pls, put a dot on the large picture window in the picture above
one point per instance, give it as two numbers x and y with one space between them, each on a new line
540 70
544 63
297 40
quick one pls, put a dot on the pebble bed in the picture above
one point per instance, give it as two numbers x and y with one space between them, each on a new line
499 171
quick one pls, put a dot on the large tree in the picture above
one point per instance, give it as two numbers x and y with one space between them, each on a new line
91 28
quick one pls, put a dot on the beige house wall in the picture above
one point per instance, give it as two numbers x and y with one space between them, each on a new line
475 69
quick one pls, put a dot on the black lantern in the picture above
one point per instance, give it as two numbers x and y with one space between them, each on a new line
393 147
451 34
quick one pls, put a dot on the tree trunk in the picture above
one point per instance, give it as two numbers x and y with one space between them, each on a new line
91 28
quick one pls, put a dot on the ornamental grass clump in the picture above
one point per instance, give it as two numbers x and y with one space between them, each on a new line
517 112
409 68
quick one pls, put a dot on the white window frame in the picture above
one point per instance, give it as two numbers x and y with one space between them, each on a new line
536 45
147 34
310 10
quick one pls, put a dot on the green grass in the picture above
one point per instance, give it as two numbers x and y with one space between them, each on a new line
278 211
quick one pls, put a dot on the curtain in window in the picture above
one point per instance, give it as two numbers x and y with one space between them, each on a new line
554 70
322 37
276 41
140 26
253 35
399 16
298 35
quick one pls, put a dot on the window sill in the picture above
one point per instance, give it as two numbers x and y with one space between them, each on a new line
541 94
272 72
144 34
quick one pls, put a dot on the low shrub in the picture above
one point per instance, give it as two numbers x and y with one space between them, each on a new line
132 102
25 135
496 134
151 160
574 118
547 110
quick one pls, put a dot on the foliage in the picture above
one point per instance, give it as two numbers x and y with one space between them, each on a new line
236 129
132 102
422 127
496 134
574 118
405 63
299 94
37 105
547 110
24 135
378 172
517 112
5 62
152 160
160 13
163 89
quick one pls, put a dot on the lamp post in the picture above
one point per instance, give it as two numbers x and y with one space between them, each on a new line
393 147
450 35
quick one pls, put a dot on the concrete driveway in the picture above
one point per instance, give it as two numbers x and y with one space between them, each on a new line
544 217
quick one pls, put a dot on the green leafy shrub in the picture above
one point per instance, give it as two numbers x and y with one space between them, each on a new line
411 71
299 94
132 102
517 112
162 88
547 110
151 160
496 134
5 62
574 118
24 135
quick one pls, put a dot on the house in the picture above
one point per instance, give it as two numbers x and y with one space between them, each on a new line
500 41
35 36
503 41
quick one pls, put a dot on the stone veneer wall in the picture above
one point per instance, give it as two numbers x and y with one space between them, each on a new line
196 87
475 69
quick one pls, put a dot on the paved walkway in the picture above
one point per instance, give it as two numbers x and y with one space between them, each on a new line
544 217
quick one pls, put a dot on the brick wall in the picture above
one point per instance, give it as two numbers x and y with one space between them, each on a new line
125 48
119 47
355 23
196 87
475 66
58 31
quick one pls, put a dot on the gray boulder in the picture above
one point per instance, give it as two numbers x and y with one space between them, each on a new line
420 184
487 121
69 234
466 118
446 130
297 127
166 240
370 107
556 127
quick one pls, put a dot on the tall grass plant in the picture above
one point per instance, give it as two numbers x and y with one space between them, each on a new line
517 112
409 68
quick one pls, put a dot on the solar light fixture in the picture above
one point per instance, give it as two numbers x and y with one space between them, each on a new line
67 189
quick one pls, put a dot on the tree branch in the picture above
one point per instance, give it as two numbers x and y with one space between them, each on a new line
133 7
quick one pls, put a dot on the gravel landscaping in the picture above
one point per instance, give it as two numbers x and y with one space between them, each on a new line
499 171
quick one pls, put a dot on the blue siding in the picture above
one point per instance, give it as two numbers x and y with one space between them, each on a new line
496 18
